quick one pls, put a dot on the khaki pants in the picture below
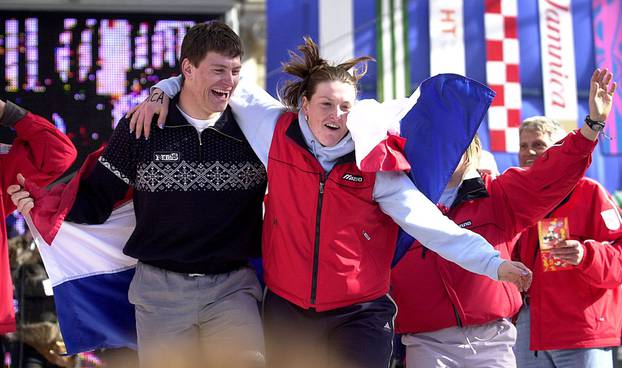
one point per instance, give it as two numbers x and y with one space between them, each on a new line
485 346
197 321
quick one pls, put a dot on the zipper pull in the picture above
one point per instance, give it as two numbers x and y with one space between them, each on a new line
321 187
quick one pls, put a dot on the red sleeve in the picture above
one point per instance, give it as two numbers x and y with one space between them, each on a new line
40 152
525 196
602 262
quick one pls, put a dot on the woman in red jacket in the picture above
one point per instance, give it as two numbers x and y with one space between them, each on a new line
456 318
330 229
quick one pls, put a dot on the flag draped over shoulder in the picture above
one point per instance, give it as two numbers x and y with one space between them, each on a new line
438 122
89 273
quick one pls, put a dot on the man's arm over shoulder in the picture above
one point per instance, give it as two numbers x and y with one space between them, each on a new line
40 151
257 114
526 195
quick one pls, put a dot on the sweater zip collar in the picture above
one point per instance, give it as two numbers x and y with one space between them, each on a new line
225 125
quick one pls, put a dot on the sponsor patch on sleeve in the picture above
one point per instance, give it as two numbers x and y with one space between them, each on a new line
611 217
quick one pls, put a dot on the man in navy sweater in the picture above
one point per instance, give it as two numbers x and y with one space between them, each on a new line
198 188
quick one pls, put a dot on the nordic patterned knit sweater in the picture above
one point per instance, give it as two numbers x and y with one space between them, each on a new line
197 196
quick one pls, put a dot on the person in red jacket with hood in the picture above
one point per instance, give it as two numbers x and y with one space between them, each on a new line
43 153
459 319
573 316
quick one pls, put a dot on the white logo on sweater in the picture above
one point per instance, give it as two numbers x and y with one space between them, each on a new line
166 156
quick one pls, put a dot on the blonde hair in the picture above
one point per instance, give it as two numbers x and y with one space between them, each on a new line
547 126
310 70
473 153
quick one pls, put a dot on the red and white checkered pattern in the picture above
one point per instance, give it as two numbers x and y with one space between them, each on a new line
502 74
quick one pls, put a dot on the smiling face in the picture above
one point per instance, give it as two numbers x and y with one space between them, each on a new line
327 111
533 143
209 85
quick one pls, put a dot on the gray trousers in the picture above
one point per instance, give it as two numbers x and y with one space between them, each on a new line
197 321
485 346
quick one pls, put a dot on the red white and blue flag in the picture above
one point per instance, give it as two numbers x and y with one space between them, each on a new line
89 273
435 126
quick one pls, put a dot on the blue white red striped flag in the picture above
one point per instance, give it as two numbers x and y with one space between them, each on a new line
436 125
89 273
438 129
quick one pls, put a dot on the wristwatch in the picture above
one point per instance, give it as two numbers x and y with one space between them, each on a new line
596 126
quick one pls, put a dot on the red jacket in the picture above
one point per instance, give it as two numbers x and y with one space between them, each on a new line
326 244
432 293
581 307
41 153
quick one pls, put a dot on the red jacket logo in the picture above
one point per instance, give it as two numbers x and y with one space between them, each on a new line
354 178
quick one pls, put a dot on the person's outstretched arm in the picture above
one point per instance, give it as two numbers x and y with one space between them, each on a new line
408 207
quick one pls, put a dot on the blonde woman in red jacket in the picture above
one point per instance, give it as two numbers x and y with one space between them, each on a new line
459 319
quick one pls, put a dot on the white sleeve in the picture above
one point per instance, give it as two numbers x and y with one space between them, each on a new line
170 86
408 207
256 113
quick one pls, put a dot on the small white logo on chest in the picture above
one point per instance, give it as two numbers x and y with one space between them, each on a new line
166 156
354 178
467 223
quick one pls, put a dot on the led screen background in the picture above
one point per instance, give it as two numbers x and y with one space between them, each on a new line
84 71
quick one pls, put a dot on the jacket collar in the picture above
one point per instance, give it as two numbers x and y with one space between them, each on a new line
473 188
226 124
295 133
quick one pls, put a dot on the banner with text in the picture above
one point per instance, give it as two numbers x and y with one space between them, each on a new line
558 66
447 37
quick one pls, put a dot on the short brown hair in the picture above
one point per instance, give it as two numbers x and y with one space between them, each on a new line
210 36
311 70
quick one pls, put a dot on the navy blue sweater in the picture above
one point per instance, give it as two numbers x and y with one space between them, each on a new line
197 197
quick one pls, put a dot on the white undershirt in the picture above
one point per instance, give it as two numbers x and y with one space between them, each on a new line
199 124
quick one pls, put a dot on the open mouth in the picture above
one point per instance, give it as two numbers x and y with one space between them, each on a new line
332 126
220 93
